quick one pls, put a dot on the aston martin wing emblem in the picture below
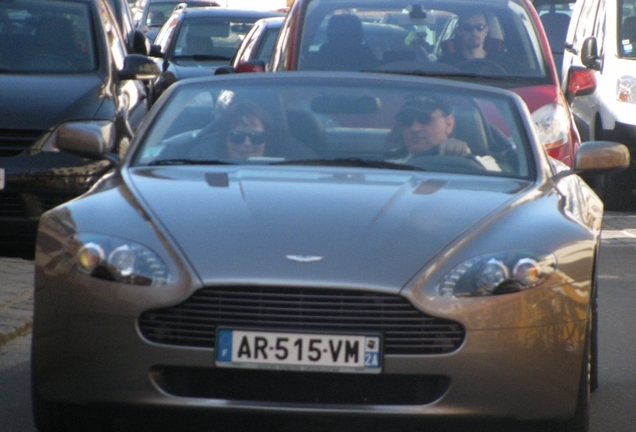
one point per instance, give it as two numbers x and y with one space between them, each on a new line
304 258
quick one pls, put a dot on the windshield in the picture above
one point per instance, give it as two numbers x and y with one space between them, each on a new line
46 37
339 122
216 38
494 38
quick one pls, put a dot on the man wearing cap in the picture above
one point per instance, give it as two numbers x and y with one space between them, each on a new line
424 126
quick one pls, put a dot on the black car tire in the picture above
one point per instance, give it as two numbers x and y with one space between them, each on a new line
613 192
613 189
48 417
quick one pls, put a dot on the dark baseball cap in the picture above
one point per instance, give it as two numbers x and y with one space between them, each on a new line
421 108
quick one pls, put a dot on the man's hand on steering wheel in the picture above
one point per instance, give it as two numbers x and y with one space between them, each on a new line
453 147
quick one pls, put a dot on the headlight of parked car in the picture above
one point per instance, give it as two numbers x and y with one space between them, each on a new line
551 123
498 273
115 259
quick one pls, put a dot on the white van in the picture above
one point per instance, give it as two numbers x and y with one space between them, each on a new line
599 78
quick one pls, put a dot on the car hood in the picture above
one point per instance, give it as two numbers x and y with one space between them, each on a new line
40 102
357 227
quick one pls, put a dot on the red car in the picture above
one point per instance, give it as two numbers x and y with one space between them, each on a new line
397 36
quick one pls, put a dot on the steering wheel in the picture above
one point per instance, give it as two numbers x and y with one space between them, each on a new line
482 66
445 163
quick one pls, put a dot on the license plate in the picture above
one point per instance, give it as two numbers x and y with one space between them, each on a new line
298 351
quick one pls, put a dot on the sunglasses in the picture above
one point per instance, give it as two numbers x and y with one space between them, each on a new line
469 27
407 118
256 138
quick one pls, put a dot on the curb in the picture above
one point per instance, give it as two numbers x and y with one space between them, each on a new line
16 298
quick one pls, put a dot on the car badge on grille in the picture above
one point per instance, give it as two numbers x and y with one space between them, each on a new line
303 258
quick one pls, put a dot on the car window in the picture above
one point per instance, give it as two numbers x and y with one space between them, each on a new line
627 28
339 121
586 22
267 44
46 37
114 40
211 36
427 37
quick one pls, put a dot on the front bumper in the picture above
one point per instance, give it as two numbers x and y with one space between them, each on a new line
520 373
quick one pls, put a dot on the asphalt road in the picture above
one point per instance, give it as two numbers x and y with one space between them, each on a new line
613 403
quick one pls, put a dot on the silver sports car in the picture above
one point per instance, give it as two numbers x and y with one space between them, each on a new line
323 243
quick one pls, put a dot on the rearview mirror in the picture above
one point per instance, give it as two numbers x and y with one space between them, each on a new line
345 104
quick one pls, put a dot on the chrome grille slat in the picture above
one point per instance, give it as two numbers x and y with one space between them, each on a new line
14 141
405 329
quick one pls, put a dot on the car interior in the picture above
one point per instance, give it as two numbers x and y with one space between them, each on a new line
328 125
403 41
46 41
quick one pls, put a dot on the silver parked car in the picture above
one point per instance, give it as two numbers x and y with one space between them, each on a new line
282 243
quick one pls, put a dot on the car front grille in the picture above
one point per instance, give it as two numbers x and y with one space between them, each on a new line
14 141
17 205
262 386
11 205
405 329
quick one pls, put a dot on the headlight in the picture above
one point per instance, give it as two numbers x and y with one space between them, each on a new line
498 273
551 123
115 259
626 89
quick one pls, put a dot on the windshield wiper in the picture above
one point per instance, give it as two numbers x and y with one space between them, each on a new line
189 162
351 162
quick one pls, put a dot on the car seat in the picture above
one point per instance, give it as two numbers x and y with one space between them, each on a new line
556 25
306 128
470 127
628 29
345 48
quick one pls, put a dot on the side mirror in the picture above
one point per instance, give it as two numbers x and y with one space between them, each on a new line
581 82
140 43
155 51
596 158
141 67
224 70
93 140
251 66
601 157
589 54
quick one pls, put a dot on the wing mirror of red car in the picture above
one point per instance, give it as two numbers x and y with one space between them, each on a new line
589 54
251 66
581 82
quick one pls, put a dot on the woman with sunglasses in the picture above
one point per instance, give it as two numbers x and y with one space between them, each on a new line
246 128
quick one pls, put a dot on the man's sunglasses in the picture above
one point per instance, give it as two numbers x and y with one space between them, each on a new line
407 118
256 138
469 27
